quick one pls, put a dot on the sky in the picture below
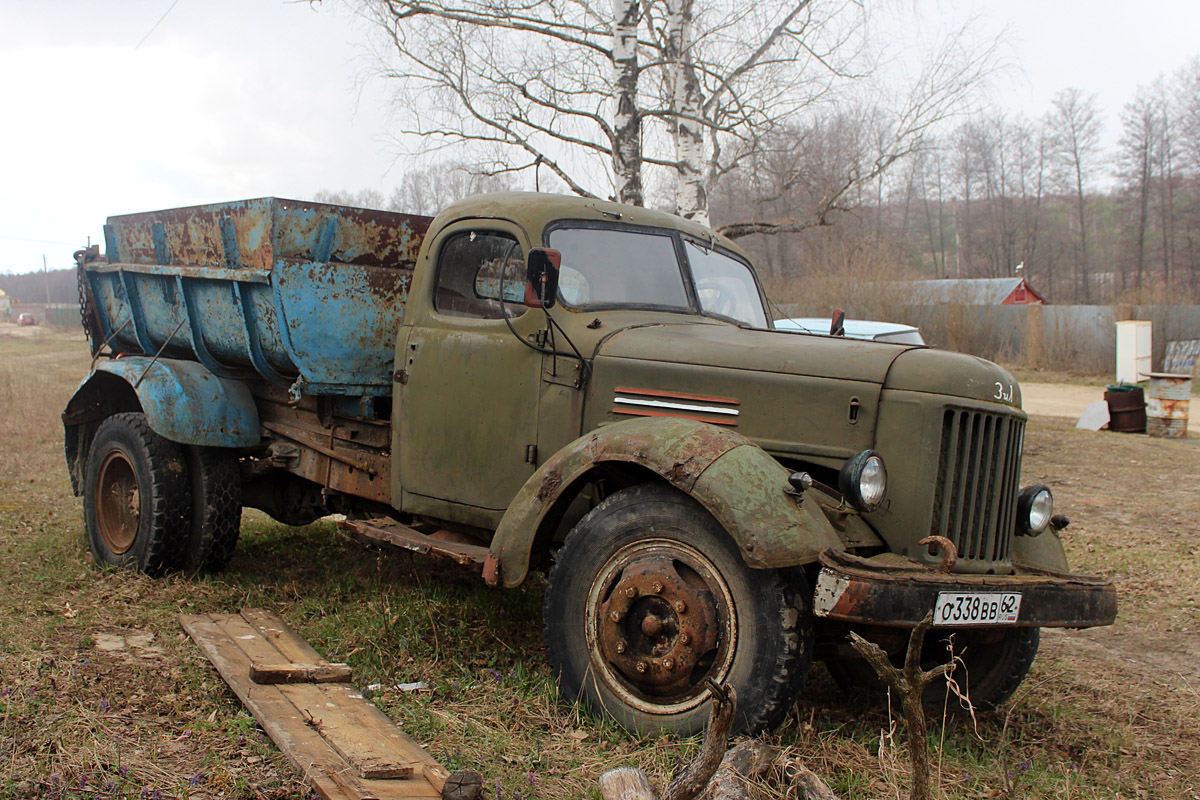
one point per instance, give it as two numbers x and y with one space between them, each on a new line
104 113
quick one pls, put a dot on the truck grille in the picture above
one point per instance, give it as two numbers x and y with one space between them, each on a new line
980 465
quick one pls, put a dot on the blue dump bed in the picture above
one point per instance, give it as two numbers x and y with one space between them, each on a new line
304 295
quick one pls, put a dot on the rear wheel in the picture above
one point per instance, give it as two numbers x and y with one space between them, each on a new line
993 665
649 599
136 496
216 509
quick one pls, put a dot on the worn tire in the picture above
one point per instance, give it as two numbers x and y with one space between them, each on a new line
750 629
994 664
216 519
136 500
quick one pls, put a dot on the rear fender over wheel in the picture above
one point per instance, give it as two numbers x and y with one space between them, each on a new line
649 598
137 498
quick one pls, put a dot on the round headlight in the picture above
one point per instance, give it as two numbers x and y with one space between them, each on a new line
863 480
1035 506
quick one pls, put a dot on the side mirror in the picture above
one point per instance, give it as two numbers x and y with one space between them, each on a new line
541 277
837 326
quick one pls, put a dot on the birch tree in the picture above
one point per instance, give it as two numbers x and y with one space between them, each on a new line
597 92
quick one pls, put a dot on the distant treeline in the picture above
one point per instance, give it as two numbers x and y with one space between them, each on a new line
33 287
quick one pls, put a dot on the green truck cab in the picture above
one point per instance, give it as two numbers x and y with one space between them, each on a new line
582 387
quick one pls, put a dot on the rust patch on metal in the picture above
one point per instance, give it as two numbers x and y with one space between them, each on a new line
949 551
491 570
679 471
269 228
900 593
549 486
656 629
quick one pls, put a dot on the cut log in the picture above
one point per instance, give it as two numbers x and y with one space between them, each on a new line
625 783
809 783
743 762
466 785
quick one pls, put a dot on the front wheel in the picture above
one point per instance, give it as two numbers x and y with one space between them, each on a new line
649 599
136 499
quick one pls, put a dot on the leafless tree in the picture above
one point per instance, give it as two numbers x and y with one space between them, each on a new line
1075 128
1187 99
364 198
598 93
428 190
1141 121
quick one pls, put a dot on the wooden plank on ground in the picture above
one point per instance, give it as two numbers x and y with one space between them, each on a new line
299 673
275 630
345 747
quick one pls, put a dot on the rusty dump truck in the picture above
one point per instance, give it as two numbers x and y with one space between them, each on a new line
535 382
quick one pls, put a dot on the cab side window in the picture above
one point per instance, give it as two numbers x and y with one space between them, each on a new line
475 270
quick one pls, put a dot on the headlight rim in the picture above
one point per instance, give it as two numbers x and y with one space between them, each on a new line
850 480
1025 509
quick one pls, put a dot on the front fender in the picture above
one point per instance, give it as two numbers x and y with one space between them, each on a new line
1044 551
735 480
182 400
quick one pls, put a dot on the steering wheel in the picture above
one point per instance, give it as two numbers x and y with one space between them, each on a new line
717 300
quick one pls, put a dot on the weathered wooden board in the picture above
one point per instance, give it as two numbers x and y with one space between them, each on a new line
300 673
345 747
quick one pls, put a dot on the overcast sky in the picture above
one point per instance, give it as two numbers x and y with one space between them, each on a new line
230 99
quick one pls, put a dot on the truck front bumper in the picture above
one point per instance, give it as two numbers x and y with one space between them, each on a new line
897 592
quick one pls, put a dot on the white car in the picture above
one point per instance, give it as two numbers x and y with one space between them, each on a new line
855 329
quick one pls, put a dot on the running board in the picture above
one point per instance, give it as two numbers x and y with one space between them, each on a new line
388 531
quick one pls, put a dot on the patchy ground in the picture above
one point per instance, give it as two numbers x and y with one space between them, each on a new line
102 695
1069 401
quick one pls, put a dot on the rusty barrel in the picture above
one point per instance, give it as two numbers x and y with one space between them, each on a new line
1167 408
1126 408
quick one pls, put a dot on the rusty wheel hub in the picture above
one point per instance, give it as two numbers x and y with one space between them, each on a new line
660 622
119 509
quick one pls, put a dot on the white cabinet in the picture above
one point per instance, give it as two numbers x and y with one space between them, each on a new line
1133 350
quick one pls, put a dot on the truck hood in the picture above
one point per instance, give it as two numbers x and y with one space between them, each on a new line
953 374
812 398
729 347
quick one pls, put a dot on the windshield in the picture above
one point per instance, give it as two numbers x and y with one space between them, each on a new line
607 267
725 287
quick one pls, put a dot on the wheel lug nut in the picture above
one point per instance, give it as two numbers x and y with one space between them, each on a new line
668 664
684 638
680 606
656 587
641 666
631 591
615 616
621 647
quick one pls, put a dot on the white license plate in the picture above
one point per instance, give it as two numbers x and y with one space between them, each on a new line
977 608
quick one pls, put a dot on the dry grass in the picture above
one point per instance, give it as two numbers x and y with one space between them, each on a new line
101 694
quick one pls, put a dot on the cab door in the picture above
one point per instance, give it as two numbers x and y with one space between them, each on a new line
470 384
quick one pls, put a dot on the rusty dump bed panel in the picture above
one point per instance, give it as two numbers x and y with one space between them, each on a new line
305 295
